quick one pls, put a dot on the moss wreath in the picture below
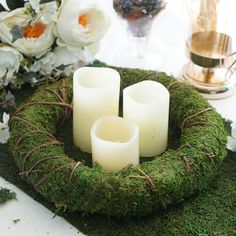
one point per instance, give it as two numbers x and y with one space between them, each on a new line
135 191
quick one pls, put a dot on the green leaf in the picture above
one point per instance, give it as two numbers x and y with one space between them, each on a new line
45 1
17 32
14 4
30 77
2 8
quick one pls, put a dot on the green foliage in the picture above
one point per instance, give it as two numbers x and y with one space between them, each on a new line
176 174
2 8
14 4
211 212
45 1
6 195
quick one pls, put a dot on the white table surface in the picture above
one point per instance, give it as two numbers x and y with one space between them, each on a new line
167 40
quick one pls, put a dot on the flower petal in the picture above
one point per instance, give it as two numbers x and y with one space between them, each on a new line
10 60
4 129
6 118
4 135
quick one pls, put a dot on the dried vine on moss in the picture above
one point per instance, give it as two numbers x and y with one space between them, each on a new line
157 183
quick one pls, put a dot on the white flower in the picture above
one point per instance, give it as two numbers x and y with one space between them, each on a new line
81 23
90 51
64 56
43 64
231 144
49 10
59 57
30 35
10 60
4 129
34 4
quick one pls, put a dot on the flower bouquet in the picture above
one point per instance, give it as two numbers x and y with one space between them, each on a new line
43 40
46 39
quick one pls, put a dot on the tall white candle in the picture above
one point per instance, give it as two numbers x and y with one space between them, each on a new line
147 104
115 143
96 94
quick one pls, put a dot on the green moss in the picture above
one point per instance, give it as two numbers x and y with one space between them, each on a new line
211 212
6 195
176 174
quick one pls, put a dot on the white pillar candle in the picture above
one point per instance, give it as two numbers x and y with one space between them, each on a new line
147 104
115 143
95 94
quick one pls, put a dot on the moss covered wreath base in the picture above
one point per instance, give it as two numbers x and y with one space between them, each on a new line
181 171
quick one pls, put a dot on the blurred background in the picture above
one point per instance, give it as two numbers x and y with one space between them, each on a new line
165 49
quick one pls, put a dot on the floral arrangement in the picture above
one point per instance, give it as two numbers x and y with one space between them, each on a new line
45 39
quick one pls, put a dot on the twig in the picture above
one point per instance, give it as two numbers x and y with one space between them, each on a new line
198 123
31 132
69 106
45 177
148 179
53 92
187 164
209 156
73 170
31 169
194 115
4 102
147 76
64 99
182 146
53 142
172 83
28 123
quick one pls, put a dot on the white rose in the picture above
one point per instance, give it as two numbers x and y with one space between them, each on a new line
4 129
36 31
231 144
10 62
81 23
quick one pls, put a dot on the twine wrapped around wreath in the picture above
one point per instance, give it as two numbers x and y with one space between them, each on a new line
154 184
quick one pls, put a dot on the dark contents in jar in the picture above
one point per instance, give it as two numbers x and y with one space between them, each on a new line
136 9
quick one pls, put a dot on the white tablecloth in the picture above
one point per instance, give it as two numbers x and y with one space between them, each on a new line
167 40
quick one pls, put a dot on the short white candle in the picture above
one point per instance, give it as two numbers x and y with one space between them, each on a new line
147 104
115 143
95 94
